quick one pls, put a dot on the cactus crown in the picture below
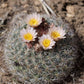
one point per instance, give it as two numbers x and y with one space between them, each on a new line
44 66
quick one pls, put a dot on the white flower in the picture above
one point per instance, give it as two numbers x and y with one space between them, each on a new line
46 42
34 19
56 33
28 34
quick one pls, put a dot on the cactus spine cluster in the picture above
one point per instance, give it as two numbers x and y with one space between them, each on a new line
41 67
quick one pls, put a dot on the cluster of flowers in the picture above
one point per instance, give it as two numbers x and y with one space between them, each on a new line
46 41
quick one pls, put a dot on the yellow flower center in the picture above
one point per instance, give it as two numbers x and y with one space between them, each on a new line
55 34
28 36
33 22
46 42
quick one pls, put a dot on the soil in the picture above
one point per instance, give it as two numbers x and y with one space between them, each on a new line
70 10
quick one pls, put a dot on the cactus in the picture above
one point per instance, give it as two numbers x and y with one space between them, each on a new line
41 67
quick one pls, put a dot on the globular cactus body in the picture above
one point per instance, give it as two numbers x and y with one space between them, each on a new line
42 67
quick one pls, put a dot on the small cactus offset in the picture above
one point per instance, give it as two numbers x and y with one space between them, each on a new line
41 66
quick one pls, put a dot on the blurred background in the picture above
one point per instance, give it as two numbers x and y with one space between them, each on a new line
70 10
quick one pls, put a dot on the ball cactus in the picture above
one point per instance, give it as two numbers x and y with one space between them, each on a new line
45 66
